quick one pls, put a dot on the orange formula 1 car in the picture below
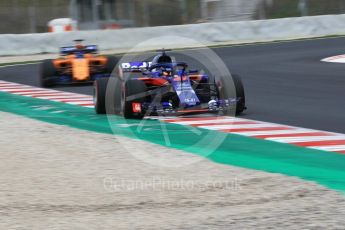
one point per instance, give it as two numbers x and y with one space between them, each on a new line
77 64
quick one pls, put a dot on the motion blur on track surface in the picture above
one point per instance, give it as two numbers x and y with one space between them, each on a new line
285 82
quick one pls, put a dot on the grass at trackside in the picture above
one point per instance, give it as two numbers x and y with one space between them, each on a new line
326 168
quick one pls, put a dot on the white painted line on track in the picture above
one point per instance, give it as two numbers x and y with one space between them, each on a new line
245 126
264 130
330 148
22 90
306 139
18 64
215 121
50 94
64 97
275 132
335 59
46 94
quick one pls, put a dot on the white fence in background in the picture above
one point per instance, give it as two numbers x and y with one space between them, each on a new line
196 34
230 10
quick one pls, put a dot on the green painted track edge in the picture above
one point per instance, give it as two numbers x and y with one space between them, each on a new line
323 167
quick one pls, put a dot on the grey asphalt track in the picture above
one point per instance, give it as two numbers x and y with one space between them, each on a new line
285 82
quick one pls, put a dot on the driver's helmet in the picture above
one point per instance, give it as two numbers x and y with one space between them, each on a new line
162 58
79 44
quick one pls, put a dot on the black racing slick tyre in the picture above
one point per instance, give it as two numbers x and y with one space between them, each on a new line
47 73
99 95
241 104
107 95
133 96
113 95
110 65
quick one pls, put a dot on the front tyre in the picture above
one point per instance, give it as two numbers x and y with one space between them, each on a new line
241 104
132 99
225 90
99 95
47 73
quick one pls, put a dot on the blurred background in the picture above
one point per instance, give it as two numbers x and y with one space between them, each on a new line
32 16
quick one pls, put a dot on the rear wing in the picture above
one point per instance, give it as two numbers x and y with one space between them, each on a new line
136 66
72 49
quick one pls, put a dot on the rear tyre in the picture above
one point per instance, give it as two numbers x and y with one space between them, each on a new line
133 88
47 73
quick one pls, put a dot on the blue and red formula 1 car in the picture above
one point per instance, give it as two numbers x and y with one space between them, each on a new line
164 87
76 64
